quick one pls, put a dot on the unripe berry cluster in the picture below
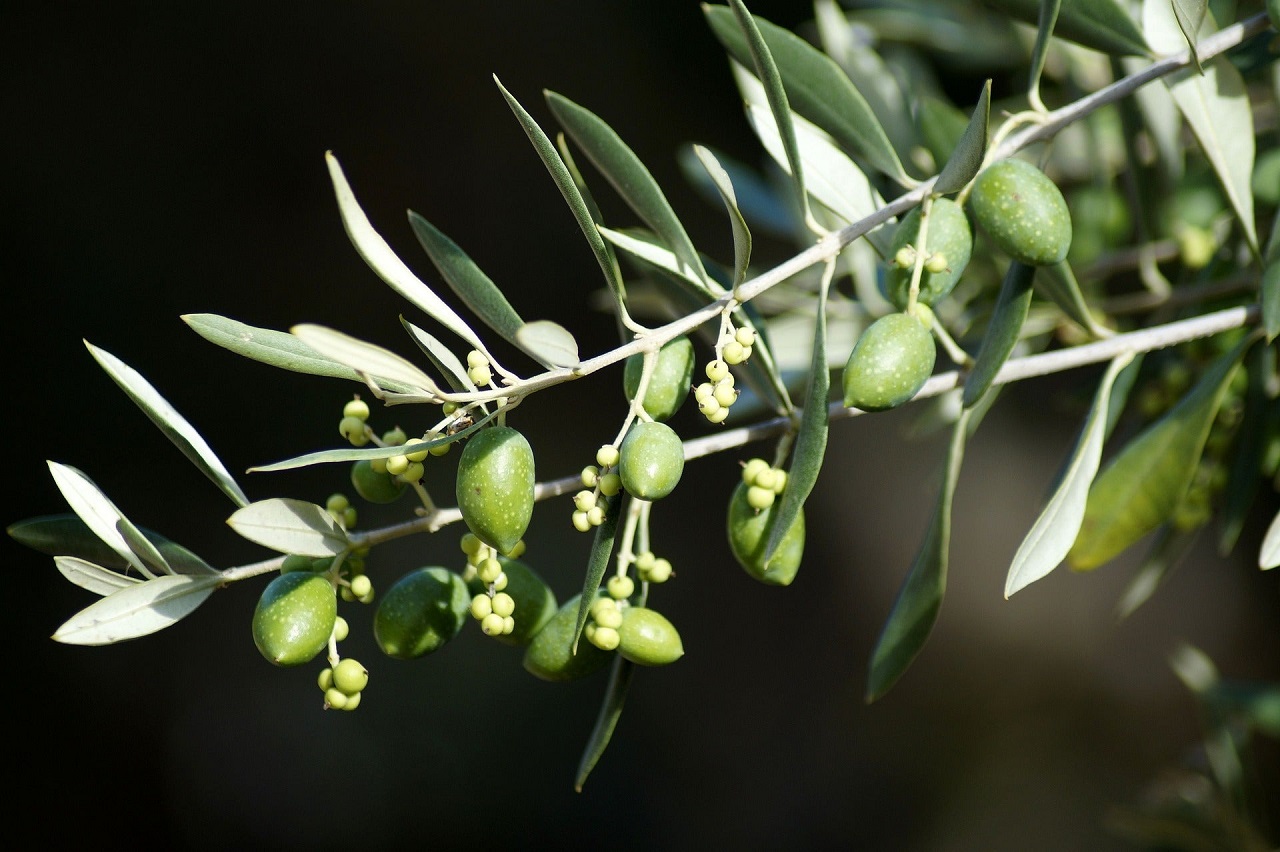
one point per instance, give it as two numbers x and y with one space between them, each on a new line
343 684
493 608
358 587
353 426
478 369
716 395
935 262
764 483
341 510
735 344
601 628
600 482
651 568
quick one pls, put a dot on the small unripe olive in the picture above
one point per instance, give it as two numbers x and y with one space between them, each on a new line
652 460
749 532
294 618
495 486
421 612
374 486
353 429
669 383
550 655
949 235
647 638
534 602
1022 211
350 677
889 364
356 408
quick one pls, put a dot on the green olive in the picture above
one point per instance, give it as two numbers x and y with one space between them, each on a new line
669 384
374 486
1022 211
495 486
534 600
647 638
550 655
749 533
949 235
651 461
421 612
889 364
294 618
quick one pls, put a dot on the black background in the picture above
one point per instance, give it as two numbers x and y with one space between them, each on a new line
162 159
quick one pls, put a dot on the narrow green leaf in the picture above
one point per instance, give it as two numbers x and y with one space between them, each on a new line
644 247
98 512
1270 296
441 356
68 535
142 547
920 598
741 234
1101 24
290 526
390 268
1190 16
1053 533
1269 552
966 156
1250 444
137 610
816 87
941 125
615 695
1169 549
628 176
550 343
366 358
760 203
601 550
91 577
1059 284
811 440
579 204
1007 317
174 426
1142 485
1049 10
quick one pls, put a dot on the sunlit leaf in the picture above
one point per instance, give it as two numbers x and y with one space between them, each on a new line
98 512
68 535
143 547
290 526
1101 24
966 156
760 203
615 695
741 234
1269 552
1190 16
174 426
1003 330
442 356
137 610
550 343
654 254
92 577
365 358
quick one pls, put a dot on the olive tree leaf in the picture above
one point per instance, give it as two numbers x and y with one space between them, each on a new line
143 547
1007 317
1169 548
550 343
1059 284
579 205
1269 552
941 125
290 526
442 356
174 426
628 176
365 358
601 550
644 247
1049 10
1141 486
756 198
966 157
68 535
615 695
1053 533
741 234
98 512
816 88
1250 444
1101 24
1270 297
1216 107
1190 16
92 577
137 610
916 608
390 268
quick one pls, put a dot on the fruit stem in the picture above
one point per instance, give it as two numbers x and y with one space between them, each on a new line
635 509
922 251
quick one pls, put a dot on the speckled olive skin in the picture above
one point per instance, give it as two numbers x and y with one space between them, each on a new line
651 461
669 384
294 618
420 613
535 602
889 364
550 655
495 486
374 486
749 533
949 233
647 638
1022 211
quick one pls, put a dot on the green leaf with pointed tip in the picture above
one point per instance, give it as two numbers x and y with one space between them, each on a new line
142 547
941 126
816 87
174 426
759 202
442 356
1053 533
628 176
1270 295
601 550
1101 24
645 247
365 358
1190 16
290 526
579 204
920 598
1250 444
1049 10
1059 284
137 610
615 695
68 535
1142 485
741 234
1003 330
390 268
966 157
1169 549
98 513
275 348
91 577
550 343
811 440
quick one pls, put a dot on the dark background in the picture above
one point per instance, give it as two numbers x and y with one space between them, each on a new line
162 159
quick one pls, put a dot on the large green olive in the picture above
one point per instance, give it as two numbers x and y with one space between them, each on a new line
749 533
294 618
420 613
550 655
647 638
889 364
495 486
651 460
374 486
1022 211
949 235
669 384
535 602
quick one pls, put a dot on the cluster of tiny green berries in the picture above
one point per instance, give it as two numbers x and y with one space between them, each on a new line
353 426
478 369
493 608
343 684
341 510
935 263
358 588
600 480
651 568
735 345
764 483
601 628
716 395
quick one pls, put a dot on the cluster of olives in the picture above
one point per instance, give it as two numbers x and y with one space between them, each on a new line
600 482
752 518
343 684
716 395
